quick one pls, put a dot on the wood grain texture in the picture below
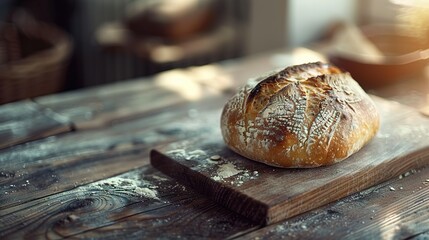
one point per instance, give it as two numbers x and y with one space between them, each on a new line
267 195
25 121
396 209
60 163
103 111
138 204
108 105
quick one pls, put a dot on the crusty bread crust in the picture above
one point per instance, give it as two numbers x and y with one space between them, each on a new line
304 116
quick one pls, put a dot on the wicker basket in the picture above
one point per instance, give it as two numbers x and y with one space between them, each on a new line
38 73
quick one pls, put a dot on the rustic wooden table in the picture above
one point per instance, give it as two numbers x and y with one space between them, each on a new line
77 165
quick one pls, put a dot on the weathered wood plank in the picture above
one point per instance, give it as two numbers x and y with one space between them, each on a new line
52 179
397 209
267 194
103 106
60 163
139 204
119 208
25 121
104 111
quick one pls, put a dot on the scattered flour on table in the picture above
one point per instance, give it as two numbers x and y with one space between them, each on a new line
192 155
215 165
130 185
159 178
226 170
408 127
197 152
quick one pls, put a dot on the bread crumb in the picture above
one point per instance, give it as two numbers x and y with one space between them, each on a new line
215 158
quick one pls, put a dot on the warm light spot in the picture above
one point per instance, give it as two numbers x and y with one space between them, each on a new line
180 82
413 18
212 76
305 55
163 54
111 34
194 82
165 8
296 57
173 7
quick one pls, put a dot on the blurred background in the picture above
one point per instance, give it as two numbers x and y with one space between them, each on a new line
49 46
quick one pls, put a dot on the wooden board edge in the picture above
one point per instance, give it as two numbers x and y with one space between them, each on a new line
253 209
417 160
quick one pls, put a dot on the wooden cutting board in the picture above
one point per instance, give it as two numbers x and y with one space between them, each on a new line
266 194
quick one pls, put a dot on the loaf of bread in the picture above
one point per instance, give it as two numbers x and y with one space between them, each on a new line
303 116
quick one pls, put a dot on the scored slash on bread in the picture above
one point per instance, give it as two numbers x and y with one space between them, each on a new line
261 93
303 116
